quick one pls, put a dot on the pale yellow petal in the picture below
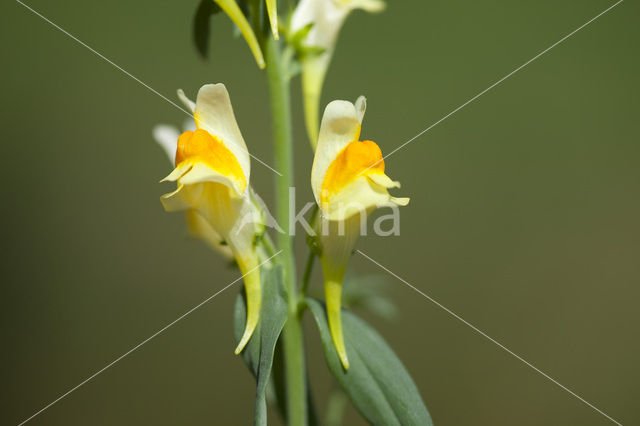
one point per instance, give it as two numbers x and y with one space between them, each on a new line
186 101
177 172
341 125
167 138
371 6
200 173
214 113
361 195
402 201
200 228
177 200
313 73
384 180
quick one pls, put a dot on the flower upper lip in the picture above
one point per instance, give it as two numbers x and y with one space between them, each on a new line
213 112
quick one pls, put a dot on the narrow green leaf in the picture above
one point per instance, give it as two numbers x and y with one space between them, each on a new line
259 352
279 381
368 293
377 383
201 25
297 38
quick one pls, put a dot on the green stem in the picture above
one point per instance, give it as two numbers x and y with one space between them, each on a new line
295 372
267 242
313 252
308 269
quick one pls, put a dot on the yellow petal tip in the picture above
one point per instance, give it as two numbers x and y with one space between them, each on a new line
239 349
254 298
248 332
272 11
402 201
344 360
333 293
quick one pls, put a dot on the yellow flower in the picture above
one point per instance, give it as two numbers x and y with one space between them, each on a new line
348 182
327 17
167 138
212 172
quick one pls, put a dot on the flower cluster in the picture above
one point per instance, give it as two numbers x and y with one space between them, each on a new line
212 165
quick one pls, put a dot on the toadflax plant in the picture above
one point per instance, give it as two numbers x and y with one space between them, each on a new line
211 173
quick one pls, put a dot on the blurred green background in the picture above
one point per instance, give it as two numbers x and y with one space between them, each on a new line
523 219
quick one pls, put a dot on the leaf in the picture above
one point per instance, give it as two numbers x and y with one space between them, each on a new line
259 352
306 52
377 383
202 23
296 39
279 381
368 292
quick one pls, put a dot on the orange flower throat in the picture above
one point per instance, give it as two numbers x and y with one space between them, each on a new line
201 146
357 158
